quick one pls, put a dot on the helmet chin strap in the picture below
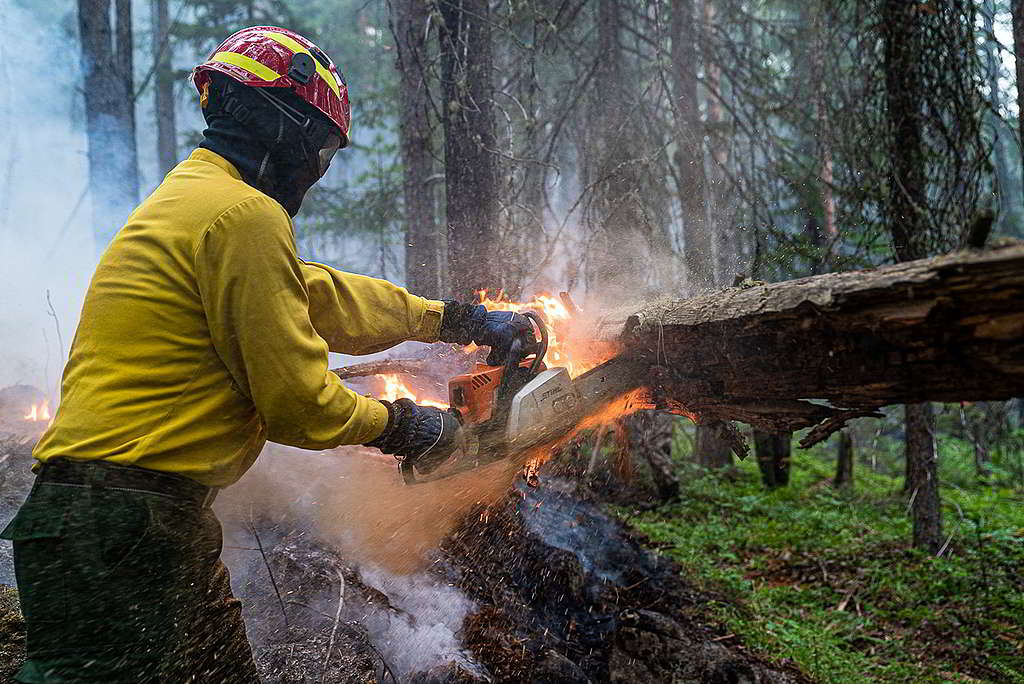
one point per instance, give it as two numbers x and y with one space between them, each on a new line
304 122
265 164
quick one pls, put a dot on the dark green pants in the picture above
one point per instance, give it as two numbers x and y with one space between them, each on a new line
125 586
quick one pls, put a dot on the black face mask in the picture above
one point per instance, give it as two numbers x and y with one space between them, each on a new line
274 140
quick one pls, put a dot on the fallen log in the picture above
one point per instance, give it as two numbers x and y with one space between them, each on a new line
819 351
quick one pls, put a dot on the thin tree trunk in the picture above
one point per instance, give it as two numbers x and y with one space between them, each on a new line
651 439
422 251
1017 13
471 186
773 452
720 203
710 447
163 91
689 156
619 256
999 127
923 477
828 206
908 200
109 113
844 461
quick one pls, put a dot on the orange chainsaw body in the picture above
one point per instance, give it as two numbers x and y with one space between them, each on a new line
475 394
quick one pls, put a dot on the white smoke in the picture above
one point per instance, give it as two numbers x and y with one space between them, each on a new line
427 635
45 237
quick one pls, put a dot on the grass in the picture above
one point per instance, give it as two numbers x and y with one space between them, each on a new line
825 580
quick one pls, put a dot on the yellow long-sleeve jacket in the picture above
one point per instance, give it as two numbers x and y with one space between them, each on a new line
203 335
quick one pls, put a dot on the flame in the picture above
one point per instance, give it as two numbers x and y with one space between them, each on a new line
39 412
394 388
576 356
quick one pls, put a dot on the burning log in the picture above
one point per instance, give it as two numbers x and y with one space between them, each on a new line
944 329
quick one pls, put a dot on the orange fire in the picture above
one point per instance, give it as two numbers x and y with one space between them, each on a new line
39 412
394 388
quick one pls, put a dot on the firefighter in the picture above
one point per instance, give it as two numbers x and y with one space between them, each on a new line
202 336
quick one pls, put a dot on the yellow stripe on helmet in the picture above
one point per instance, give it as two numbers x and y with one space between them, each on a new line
247 63
295 46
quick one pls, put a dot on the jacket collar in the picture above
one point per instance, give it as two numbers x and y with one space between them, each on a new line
205 155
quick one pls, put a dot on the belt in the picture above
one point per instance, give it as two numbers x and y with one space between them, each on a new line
106 475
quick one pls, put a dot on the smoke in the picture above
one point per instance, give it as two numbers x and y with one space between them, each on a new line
354 499
45 240
427 636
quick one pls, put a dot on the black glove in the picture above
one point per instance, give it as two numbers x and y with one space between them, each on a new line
465 323
424 435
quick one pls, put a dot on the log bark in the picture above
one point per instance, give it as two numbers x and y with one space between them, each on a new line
949 328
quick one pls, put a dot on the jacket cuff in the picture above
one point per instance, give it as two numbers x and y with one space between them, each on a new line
379 420
430 324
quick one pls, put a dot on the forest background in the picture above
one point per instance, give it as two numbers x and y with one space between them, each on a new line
614 149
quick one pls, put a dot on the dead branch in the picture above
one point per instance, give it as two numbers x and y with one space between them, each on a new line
384 366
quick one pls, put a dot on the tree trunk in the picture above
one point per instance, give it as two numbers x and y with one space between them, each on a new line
902 32
844 461
908 202
711 449
651 439
924 477
829 231
720 199
619 255
471 186
1017 12
166 130
689 156
772 451
110 114
998 126
422 251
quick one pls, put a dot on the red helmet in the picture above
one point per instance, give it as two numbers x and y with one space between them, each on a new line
272 57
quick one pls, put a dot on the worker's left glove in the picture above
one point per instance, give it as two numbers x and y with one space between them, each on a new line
465 323
423 436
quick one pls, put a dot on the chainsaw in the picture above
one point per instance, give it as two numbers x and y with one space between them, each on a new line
522 404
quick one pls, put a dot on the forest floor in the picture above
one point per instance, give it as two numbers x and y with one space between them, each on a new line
824 579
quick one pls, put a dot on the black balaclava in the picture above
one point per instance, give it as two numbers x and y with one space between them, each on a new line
271 151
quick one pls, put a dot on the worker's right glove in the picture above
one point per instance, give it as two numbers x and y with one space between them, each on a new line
465 323
422 435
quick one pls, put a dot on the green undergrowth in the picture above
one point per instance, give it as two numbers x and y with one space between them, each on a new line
824 579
